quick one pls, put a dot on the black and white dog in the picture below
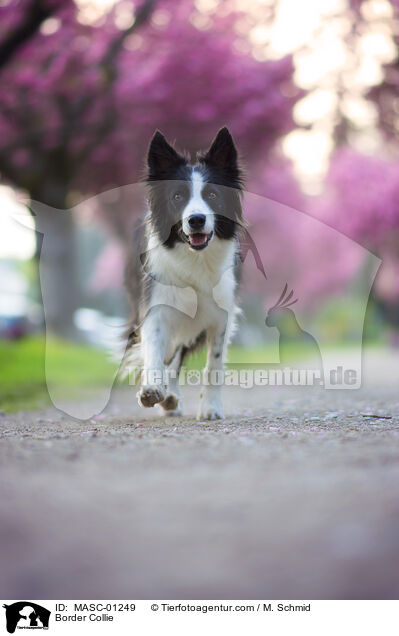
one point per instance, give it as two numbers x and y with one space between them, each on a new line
181 277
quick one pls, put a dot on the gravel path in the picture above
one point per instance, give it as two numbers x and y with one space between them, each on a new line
294 495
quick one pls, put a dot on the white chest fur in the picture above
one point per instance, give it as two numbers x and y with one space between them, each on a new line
196 288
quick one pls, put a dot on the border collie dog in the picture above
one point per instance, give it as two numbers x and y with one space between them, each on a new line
181 277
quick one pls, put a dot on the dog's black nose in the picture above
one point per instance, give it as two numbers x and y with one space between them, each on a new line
197 221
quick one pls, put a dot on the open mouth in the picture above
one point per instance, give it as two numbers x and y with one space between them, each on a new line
198 240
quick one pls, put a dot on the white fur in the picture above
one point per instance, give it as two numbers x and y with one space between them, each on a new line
200 286
197 205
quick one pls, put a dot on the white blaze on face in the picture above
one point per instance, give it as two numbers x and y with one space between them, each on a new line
197 205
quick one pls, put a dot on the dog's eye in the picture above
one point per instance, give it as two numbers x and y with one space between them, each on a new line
211 195
177 196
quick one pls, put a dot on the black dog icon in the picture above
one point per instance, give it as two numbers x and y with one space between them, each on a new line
26 614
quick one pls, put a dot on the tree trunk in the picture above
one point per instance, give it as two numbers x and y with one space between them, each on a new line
57 259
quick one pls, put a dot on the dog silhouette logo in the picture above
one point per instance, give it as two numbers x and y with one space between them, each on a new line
26 615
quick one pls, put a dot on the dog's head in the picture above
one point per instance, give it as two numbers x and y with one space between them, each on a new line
193 204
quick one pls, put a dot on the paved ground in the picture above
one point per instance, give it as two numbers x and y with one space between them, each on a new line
294 495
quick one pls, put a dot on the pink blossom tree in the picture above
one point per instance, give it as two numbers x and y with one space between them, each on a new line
361 200
79 103
384 94
361 191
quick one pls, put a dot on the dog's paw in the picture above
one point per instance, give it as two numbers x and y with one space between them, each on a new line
171 405
150 395
210 411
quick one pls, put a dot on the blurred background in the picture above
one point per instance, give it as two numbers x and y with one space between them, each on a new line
309 91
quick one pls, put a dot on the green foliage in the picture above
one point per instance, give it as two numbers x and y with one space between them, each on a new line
22 371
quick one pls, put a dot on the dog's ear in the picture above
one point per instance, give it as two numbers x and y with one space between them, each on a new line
161 156
222 152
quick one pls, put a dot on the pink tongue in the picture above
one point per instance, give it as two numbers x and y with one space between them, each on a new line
197 239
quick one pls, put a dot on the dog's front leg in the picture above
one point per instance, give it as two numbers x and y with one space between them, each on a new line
172 403
154 338
211 399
